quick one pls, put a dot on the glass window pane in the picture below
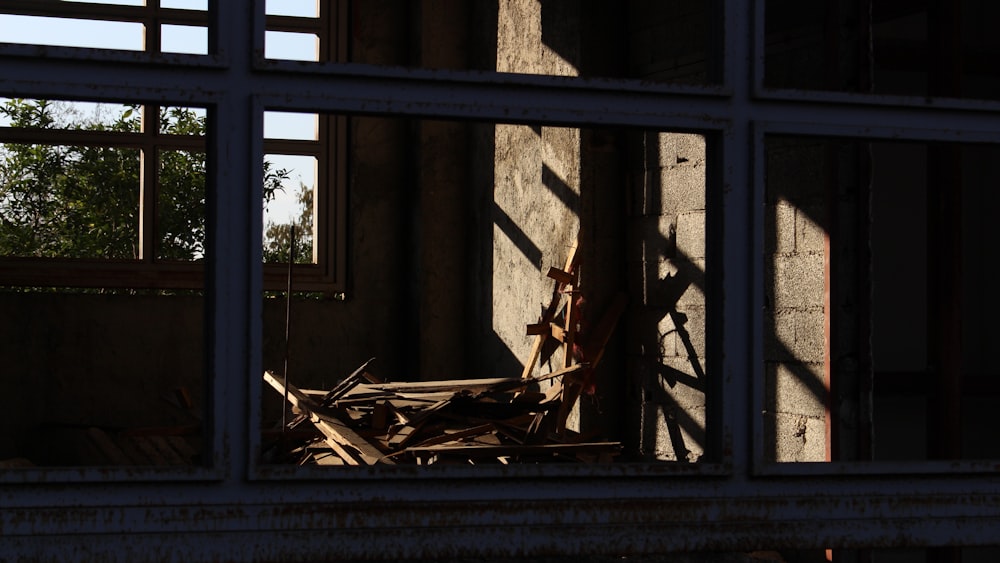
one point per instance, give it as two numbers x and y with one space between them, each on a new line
102 377
530 224
296 8
112 2
900 48
184 39
292 126
201 5
879 305
65 32
289 196
179 120
68 201
640 39
58 114
114 359
181 209
291 46
649 40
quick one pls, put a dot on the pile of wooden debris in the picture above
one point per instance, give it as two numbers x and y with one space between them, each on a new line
365 421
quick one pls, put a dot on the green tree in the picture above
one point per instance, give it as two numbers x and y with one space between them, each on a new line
277 237
62 200
72 201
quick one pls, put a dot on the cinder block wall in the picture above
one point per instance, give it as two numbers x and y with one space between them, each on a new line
794 332
666 245
666 270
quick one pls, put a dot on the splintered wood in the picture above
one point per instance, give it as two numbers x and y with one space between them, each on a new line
365 421
472 421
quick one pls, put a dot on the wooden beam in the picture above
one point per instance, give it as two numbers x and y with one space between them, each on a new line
338 435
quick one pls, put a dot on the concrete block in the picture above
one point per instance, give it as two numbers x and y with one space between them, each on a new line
691 149
795 170
642 332
651 238
693 276
669 433
671 283
666 333
681 149
795 388
683 380
794 228
798 280
795 335
799 438
777 331
810 236
691 235
682 333
779 229
683 189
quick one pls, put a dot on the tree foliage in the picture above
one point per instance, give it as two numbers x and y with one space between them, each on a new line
83 201
63 200
278 237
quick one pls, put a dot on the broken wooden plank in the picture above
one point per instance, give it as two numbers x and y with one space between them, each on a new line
516 450
550 312
536 351
457 435
454 385
107 447
338 434
557 332
539 328
166 451
346 385
562 276
515 384
183 448
143 444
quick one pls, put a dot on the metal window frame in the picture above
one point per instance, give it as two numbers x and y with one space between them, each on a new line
146 270
425 516
328 274
151 16
863 130
859 116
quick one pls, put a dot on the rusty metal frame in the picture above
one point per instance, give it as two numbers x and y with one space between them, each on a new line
229 514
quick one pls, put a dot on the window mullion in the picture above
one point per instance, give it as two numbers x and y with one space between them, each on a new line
148 184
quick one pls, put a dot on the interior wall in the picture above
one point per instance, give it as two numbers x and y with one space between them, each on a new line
536 171
666 278
377 319
74 361
794 343
666 250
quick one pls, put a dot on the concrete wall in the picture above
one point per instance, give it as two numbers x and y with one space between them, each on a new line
537 180
72 361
